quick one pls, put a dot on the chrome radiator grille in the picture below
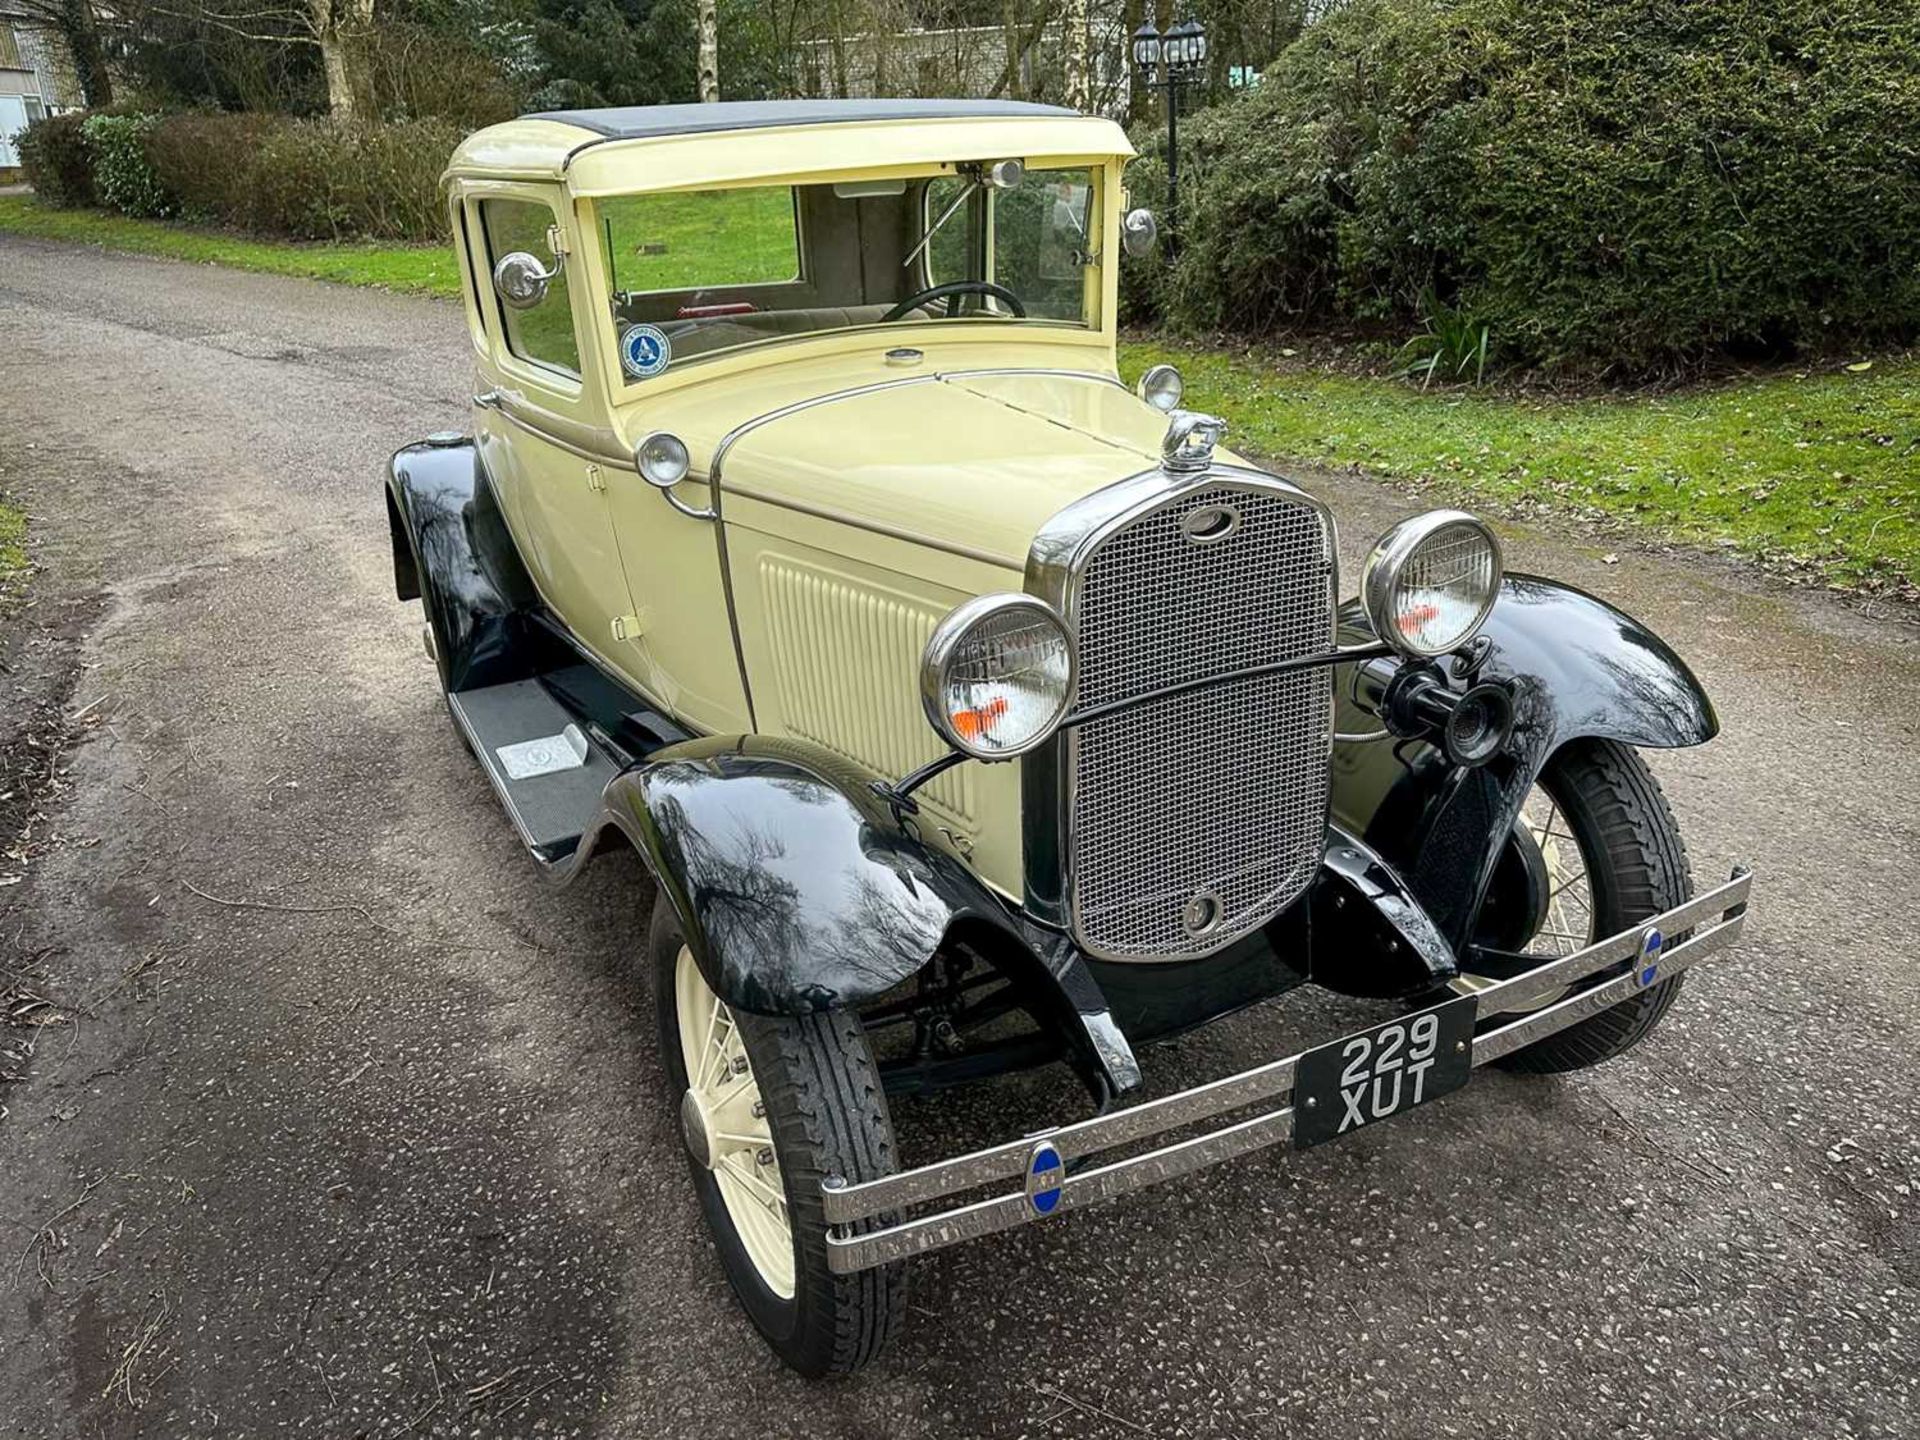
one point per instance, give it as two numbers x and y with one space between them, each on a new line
1197 818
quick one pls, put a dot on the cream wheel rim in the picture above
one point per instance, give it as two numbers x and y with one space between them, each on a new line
1568 924
725 1126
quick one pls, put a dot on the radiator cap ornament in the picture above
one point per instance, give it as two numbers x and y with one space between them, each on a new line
1189 442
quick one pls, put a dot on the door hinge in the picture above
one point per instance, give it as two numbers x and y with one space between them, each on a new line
595 480
629 627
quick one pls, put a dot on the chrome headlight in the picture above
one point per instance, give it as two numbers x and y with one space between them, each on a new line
1161 387
997 676
662 459
1431 581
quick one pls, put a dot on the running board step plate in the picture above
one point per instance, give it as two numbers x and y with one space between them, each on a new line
545 769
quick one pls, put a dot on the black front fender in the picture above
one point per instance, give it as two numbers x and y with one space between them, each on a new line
801 888
1576 668
797 887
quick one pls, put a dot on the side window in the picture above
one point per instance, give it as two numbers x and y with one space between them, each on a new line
543 334
476 286
1039 237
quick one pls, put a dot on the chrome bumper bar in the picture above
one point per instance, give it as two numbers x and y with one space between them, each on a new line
1715 917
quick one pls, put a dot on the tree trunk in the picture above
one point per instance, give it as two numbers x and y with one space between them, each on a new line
1010 27
336 24
333 55
82 34
709 51
1079 91
1132 14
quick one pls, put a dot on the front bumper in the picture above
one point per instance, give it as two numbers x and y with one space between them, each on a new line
1716 919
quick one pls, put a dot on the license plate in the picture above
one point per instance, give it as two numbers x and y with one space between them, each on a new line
1348 1084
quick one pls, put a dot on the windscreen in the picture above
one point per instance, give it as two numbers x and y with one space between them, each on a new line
699 272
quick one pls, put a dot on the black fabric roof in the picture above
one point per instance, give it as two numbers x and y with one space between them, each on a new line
636 122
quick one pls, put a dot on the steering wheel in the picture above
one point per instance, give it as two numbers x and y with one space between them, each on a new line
951 293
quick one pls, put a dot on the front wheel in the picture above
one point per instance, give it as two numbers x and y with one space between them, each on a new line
769 1106
1596 851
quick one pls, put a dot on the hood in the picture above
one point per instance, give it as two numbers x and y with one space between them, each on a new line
972 463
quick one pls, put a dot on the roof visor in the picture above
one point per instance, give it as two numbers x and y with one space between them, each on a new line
646 122
681 147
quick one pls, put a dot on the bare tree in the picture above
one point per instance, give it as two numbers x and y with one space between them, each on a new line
332 26
335 25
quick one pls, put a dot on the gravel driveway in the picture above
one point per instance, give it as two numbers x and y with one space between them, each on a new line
347 1125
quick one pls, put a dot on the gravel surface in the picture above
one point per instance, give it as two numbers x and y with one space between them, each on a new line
346 1124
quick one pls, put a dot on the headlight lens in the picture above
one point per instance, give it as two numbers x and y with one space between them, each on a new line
662 459
1431 581
1161 387
997 675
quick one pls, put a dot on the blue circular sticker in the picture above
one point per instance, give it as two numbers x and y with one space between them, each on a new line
644 350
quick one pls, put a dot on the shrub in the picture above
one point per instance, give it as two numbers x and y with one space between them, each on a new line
53 153
317 180
122 175
307 179
1609 181
206 161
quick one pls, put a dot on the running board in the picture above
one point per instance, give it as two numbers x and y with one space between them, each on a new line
546 764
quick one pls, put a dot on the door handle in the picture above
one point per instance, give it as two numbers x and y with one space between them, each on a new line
488 399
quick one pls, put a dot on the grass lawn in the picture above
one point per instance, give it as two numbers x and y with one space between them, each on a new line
1816 472
13 551
428 268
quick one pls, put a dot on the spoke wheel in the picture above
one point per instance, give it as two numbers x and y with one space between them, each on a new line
724 1122
1610 856
1567 924
769 1107
1549 865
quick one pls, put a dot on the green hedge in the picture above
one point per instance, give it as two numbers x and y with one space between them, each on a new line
308 179
53 154
122 174
269 174
1615 182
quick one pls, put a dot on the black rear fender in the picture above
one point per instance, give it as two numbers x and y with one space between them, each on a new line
452 550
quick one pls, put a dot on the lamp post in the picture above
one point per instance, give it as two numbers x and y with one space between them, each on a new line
1167 62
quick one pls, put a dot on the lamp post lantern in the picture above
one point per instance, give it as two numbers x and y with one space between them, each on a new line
1167 62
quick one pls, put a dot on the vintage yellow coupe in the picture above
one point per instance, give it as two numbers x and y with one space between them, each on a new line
972 710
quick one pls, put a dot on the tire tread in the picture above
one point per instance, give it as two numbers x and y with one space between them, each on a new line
828 1116
827 1090
1646 871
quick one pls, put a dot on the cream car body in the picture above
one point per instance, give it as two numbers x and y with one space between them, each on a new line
845 534
970 712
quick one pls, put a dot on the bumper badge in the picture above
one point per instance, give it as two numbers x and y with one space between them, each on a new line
1045 1174
1650 947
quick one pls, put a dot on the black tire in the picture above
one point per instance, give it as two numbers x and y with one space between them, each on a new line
1637 867
828 1115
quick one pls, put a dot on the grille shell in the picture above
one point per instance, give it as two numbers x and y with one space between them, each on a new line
1211 804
